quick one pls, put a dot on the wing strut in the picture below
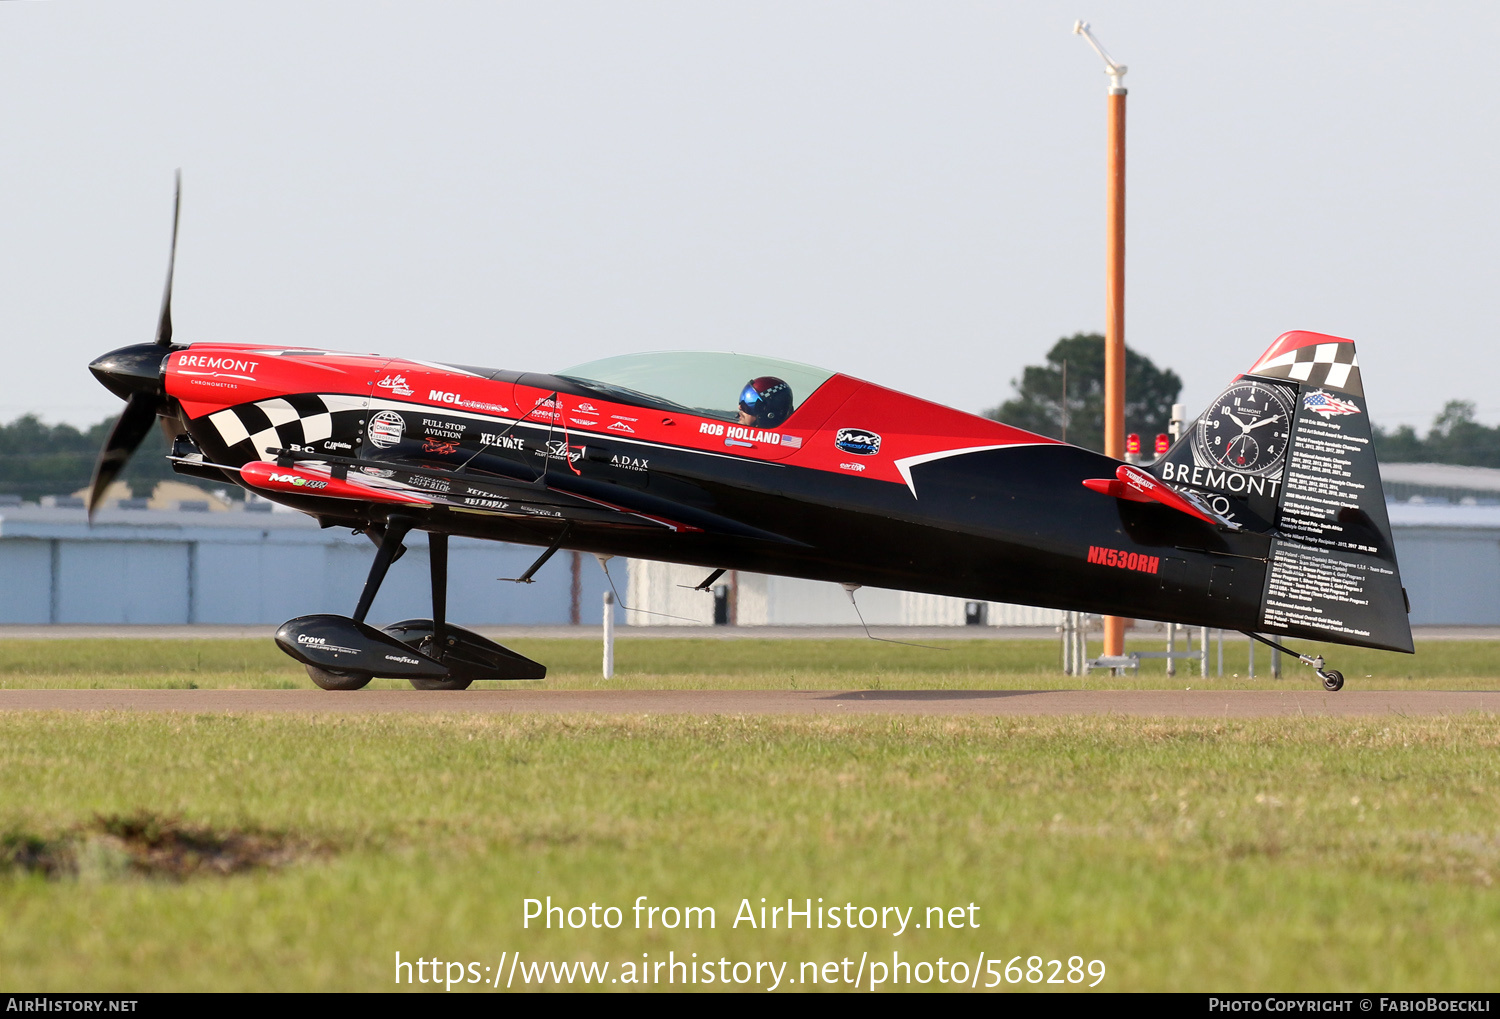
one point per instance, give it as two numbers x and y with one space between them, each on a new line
541 561
707 583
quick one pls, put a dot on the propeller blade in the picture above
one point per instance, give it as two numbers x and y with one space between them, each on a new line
164 327
128 433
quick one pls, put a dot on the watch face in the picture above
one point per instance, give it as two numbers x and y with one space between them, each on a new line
1246 429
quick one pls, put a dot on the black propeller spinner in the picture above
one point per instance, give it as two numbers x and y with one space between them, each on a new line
134 374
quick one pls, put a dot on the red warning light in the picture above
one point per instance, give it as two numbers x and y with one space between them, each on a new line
1132 444
1163 443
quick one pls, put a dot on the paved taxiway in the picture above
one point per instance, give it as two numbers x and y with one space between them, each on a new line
1133 703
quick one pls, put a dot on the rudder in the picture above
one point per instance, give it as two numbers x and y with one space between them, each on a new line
1286 450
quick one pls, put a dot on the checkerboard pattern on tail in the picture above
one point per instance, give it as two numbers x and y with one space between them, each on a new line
1327 365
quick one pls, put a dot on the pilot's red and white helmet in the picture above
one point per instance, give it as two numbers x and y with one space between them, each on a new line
768 400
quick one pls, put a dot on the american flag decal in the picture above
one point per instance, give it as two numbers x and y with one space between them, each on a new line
1320 402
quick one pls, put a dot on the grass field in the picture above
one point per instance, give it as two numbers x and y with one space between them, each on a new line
1286 854
1315 854
746 664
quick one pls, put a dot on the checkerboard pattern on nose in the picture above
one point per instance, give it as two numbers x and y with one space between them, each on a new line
1326 365
303 419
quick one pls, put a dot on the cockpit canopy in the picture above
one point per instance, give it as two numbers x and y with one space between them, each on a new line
706 384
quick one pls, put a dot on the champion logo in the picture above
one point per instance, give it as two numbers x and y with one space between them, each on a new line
386 429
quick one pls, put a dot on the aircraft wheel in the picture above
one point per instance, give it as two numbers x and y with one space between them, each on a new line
338 679
1333 680
440 684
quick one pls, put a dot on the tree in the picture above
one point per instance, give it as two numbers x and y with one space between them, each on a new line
1455 438
37 459
1037 405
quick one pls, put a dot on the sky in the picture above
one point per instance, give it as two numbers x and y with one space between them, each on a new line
912 193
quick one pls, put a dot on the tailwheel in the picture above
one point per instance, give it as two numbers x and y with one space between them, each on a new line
338 679
1333 680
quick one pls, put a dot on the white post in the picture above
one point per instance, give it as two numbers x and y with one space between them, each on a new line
1171 647
1203 652
609 635
1221 652
1276 663
1174 426
1252 657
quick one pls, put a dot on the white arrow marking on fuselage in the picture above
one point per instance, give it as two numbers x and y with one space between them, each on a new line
906 463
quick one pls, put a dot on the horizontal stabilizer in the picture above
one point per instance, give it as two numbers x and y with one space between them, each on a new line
1136 485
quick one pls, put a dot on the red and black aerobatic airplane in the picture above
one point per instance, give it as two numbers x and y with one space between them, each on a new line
1266 517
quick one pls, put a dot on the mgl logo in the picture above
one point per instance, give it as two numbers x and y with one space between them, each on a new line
438 396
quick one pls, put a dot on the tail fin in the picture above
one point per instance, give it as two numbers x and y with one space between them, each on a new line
1286 451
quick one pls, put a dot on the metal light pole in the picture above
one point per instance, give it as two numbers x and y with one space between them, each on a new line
1114 290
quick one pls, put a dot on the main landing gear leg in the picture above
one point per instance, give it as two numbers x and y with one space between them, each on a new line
1333 680
343 653
390 547
437 548
386 551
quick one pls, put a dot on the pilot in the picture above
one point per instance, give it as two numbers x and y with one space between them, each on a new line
765 402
